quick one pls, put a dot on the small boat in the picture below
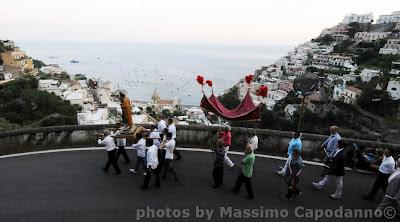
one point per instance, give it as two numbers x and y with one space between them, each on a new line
53 57
74 61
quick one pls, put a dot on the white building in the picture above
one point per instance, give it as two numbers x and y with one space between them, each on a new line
53 86
324 49
93 117
347 94
362 18
79 97
338 91
392 18
104 92
51 69
290 109
5 75
392 47
395 68
393 89
8 43
195 113
367 74
277 95
333 62
349 77
339 29
351 94
370 36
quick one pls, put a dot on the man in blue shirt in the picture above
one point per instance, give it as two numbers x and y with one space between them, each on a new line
295 143
331 143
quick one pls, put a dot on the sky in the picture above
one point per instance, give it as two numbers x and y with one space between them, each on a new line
235 22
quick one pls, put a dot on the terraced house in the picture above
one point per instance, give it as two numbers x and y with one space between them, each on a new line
18 58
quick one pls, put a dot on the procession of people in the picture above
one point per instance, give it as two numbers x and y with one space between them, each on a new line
157 156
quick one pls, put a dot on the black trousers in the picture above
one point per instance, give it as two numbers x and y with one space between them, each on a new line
169 165
247 181
292 191
141 161
177 154
381 182
121 150
218 175
112 161
147 178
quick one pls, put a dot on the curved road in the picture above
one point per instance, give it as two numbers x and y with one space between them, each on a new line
70 186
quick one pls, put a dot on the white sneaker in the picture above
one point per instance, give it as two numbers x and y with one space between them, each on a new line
133 171
144 174
335 196
281 173
317 186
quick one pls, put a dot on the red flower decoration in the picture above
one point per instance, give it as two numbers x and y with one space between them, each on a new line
262 91
249 78
200 79
209 83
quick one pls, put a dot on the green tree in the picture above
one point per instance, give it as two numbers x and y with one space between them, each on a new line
38 64
231 98
21 103
166 113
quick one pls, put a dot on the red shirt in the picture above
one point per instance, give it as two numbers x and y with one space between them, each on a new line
226 137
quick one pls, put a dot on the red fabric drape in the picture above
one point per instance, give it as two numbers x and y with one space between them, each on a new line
246 110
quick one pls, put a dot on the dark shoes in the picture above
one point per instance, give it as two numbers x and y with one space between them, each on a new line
117 173
367 197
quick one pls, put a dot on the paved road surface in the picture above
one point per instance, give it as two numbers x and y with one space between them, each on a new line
70 186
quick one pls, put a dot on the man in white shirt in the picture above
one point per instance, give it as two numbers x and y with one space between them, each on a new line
152 165
121 143
109 144
161 125
172 130
253 140
386 168
392 195
155 135
140 147
169 147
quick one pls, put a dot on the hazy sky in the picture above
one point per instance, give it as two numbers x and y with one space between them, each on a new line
179 21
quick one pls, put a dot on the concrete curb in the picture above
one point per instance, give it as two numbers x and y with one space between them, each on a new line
313 163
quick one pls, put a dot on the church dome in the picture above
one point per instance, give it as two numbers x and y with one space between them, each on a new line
155 96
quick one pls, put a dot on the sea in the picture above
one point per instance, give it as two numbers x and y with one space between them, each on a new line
171 69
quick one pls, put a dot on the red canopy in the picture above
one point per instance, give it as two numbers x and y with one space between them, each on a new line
246 110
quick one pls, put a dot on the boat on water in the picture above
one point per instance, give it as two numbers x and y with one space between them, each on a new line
74 61
53 57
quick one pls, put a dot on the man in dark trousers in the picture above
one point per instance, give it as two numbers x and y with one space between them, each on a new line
169 146
386 168
108 141
121 143
246 173
219 155
335 168
152 164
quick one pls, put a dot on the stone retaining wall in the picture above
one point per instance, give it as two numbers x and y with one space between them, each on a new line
270 141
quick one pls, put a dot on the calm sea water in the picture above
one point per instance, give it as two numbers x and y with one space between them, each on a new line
171 69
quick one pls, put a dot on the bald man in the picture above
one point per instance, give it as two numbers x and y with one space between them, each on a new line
331 143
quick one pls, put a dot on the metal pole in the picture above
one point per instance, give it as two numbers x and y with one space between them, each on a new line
301 114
